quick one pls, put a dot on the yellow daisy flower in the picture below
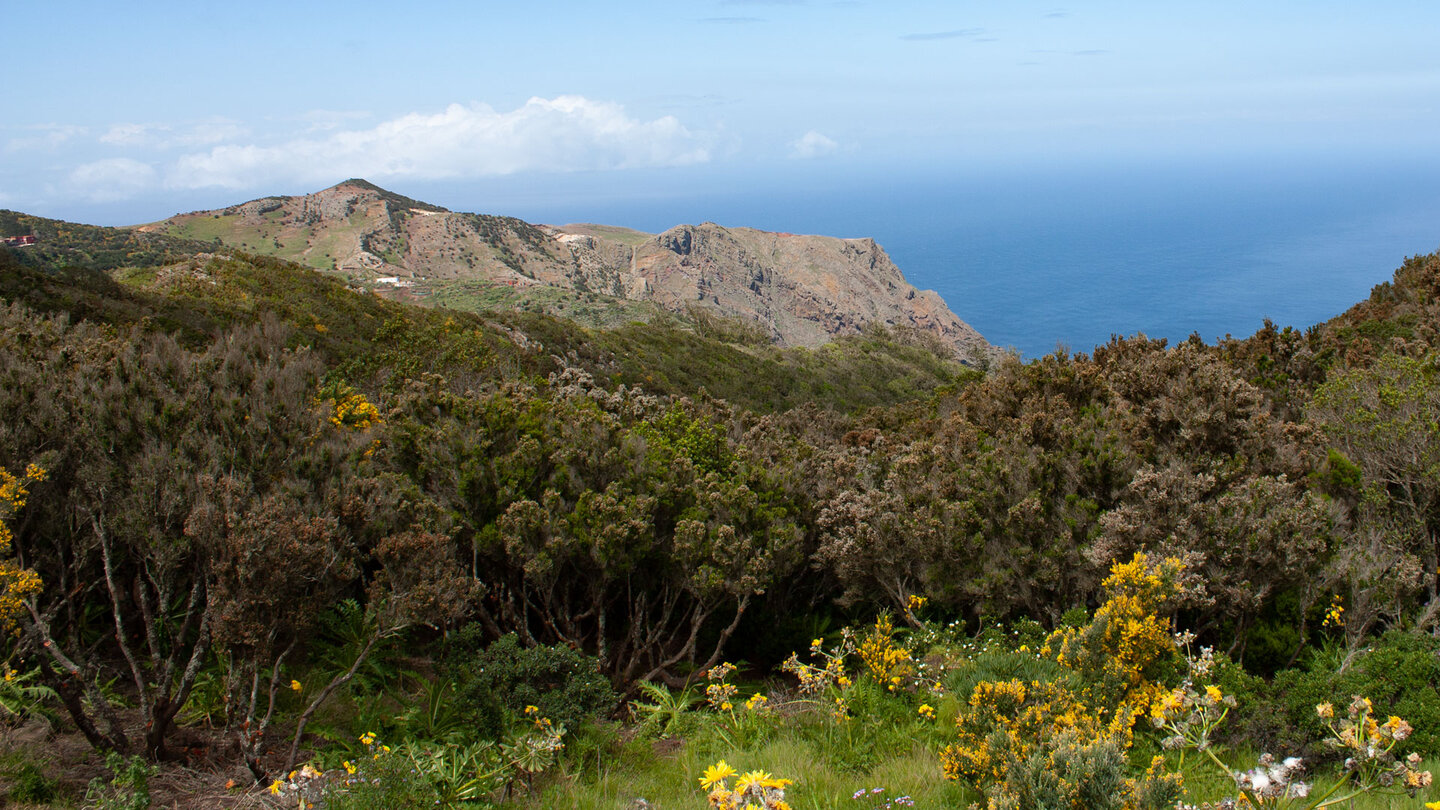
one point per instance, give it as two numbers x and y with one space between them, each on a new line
717 773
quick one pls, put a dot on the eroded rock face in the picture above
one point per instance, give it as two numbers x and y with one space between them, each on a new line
804 290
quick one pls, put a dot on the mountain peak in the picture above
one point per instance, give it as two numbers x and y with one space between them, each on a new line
355 184
801 290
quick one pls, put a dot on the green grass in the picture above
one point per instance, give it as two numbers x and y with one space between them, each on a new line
666 774
624 236
586 309
298 243
228 228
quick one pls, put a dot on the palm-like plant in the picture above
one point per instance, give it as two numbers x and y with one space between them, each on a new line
21 697
664 710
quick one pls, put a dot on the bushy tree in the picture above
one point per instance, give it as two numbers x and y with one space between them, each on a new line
1383 419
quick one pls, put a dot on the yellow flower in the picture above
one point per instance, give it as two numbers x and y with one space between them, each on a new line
275 787
368 738
1398 729
349 768
817 642
926 711
1214 693
531 709
752 779
716 774
1325 710
295 686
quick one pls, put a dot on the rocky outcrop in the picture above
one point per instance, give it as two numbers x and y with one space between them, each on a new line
803 290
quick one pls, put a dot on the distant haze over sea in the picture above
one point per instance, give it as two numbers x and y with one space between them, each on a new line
1040 256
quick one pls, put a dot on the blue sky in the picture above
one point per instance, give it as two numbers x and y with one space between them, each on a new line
130 112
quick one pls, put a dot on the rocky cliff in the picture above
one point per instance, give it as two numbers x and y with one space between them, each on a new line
802 290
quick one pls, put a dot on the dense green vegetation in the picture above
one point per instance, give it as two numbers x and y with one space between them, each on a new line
268 516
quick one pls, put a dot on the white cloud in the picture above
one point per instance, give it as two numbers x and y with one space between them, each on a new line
45 137
812 145
168 136
566 133
127 134
328 120
111 179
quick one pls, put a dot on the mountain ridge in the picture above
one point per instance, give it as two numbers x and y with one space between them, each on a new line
800 290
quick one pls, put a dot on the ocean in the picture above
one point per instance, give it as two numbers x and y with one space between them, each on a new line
1047 256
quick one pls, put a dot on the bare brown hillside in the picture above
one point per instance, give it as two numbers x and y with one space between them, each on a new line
801 290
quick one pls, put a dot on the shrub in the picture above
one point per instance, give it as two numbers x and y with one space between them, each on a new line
1002 665
564 684
30 785
1126 650
1259 718
1063 742
383 780
887 661
128 787
1401 674
1081 774
1038 747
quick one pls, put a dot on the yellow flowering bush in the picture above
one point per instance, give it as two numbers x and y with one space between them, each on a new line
743 722
16 583
1335 614
884 658
1127 646
1007 721
1034 744
348 408
1038 745
758 704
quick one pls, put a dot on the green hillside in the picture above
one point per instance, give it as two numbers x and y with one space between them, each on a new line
257 521
367 336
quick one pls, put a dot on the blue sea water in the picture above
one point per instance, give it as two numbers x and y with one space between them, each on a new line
1040 257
